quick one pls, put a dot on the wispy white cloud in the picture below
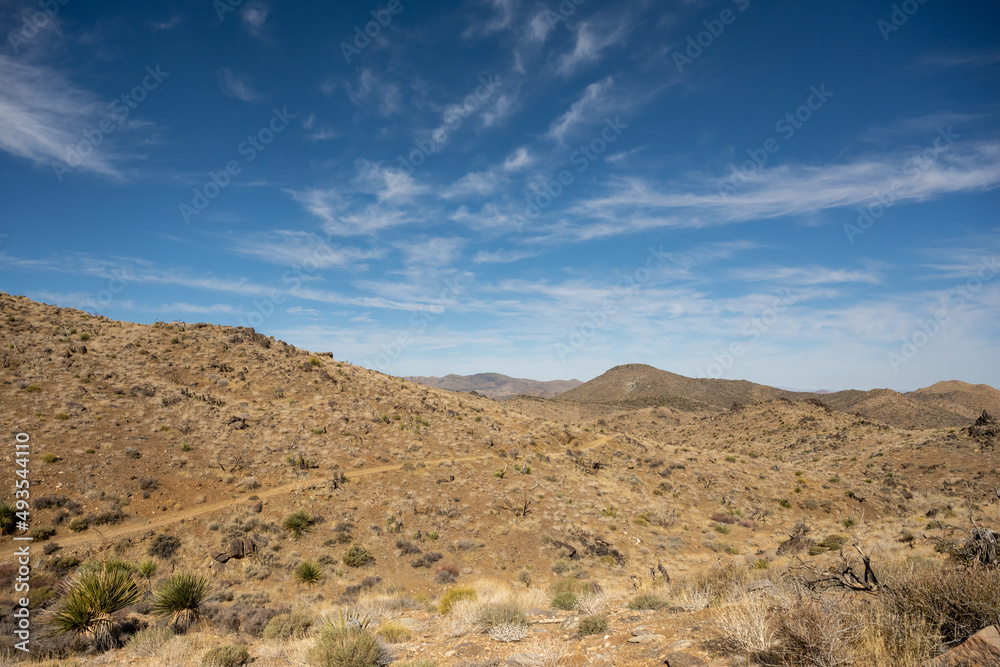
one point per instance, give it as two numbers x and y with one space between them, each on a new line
482 183
169 24
804 275
591 39
502 19
45 116
298 248
981 58
372 92
489 218
790 190
254 18
581 111
238 86
388 183
441 251
503 256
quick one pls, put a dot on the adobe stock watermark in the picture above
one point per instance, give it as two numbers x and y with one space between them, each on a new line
581 158
118 113
752 329
627 286
451 120
565 9
696 44
394 348
886 198
786 126
901 13
34 22
930 327
381 18
249 149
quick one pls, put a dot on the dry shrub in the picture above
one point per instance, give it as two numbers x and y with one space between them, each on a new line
747 622
814 631
957 602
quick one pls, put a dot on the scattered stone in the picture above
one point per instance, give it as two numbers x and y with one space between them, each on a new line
647 639
682 660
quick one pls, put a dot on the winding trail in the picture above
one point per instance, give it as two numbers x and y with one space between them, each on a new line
92 535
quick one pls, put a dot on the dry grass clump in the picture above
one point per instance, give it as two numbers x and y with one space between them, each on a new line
919 610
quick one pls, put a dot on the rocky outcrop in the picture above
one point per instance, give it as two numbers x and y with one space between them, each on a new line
980 650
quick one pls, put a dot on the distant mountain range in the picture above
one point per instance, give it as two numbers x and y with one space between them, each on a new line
497 386
950 403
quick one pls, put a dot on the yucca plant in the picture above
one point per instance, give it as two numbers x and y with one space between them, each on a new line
92 597
146 570
181 597
298 523
308 573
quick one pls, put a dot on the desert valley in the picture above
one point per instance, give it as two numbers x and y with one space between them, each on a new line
255 503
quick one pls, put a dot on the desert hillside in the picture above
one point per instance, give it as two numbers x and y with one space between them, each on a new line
640 385
498 386
467 531
636 386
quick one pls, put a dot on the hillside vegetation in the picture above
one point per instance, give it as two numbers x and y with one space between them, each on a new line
222 497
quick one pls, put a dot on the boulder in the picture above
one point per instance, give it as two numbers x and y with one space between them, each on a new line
980 650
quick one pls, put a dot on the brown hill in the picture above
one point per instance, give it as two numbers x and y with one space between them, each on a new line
945 404
177 441
497 386
639 385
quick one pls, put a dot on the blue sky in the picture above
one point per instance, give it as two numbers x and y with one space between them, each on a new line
802 195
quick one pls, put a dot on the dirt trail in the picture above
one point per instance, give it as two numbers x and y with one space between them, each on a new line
168 518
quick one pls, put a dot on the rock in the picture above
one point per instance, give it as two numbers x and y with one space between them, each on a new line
640 630
647 639
680 644
981 650
257 509
523 660
682 660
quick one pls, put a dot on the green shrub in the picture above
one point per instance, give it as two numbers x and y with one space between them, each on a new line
181 597
565 601
833 542
94 595
229 655
453 595
308 573
592 625
79 524
41 533
393 633
49 457
648 601
358 556
33 388
288 626
298 523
